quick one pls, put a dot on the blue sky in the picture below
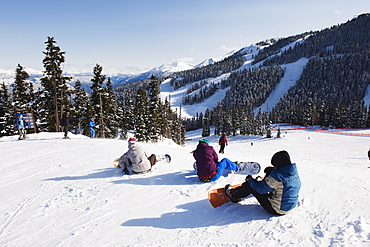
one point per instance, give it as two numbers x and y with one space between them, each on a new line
134 35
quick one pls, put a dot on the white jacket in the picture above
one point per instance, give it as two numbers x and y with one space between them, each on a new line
135 157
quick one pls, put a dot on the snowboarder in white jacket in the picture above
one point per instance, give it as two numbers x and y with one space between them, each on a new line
136 158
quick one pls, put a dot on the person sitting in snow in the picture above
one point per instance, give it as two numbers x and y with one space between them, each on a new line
208 167
136 158
277 192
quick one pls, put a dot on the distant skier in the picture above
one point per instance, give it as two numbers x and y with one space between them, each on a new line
277 192
136 158
20 127
91 127
223 141
207 165
65 124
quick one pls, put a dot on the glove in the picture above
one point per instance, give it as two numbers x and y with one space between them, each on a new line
248 178
268 170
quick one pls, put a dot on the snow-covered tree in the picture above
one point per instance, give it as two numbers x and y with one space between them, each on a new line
7 118
53 98
141 115
81 108
21 94
154 127
97 100
110 111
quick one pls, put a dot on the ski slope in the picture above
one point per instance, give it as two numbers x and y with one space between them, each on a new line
57 192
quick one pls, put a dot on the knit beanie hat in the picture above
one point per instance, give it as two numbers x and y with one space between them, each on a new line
204 140
132 140
280 159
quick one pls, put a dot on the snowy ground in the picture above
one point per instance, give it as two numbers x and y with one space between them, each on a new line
57 192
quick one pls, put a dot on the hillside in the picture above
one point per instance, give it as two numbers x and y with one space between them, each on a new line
59 192
319 77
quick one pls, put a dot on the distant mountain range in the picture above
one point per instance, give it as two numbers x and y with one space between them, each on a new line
117 79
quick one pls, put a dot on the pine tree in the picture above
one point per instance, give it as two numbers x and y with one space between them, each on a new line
111 112
127 120
97 97
206 124
54 96
7 114
81 106
141 115
21 96
154 127
166 119
178 130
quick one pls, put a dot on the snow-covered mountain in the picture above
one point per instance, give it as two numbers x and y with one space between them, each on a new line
7 76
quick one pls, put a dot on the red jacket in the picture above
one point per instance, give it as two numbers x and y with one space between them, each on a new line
223 140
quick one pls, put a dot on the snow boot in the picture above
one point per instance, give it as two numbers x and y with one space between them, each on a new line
236 194
229 192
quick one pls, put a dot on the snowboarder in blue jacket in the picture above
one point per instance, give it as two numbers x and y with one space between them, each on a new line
277 192
20 127
91 127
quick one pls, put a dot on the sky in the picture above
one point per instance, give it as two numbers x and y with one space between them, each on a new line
132 36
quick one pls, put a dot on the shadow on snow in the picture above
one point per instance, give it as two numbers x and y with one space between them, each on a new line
202 214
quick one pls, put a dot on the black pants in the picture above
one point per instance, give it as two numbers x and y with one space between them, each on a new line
245 189
222 148
65 130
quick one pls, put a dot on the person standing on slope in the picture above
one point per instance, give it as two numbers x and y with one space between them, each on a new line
207 165
277 192
222 142
136 158
20 127
65 124
91 127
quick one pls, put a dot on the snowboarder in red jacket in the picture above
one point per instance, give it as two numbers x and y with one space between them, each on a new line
222 141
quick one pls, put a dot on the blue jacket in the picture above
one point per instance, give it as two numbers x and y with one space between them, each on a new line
20 123
283 185
91 123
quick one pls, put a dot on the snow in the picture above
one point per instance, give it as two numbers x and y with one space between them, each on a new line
57 192
189 111
292 72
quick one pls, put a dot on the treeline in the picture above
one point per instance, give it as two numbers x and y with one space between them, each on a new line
144 112
149 117
352 37
180 79
329 92
251 87
237 120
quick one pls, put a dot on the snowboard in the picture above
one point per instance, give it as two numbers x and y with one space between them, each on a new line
217 197
159 157
248 168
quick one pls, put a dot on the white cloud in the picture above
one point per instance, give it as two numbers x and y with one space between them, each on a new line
184 59
227 49
338 12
